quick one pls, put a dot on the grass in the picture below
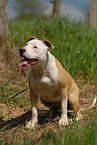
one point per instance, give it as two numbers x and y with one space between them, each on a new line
75 44
76 48
73 135
6 92
53 135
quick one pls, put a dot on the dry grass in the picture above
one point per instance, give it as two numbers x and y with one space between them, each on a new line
9 63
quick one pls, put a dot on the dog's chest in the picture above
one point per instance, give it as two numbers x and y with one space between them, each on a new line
46 85
47 88
44 82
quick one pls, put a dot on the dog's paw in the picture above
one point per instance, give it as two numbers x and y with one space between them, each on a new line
63 122
31 124
79 116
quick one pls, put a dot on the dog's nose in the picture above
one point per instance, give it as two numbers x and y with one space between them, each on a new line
22 50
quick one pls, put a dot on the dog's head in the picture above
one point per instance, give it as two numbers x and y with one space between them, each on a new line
35 51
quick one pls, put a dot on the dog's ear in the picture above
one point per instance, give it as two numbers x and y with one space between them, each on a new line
32 38
48 44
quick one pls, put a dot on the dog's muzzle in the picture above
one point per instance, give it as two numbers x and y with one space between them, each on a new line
22 50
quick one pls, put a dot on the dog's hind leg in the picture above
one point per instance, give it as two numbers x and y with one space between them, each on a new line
74 102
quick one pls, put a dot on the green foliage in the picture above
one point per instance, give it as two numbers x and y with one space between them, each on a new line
75 135
75 44
6 92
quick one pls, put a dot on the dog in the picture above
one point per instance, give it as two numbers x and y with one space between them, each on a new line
49 81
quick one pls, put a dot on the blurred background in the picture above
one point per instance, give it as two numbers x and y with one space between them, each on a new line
77 10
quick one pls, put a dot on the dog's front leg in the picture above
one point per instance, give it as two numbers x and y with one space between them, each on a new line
64 98
34 104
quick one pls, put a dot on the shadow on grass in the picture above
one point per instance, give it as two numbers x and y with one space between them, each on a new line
43 118
15 121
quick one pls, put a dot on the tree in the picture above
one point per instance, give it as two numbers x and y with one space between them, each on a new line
3 20
56 8
93 13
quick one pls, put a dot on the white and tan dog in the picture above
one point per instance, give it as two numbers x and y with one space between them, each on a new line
49 81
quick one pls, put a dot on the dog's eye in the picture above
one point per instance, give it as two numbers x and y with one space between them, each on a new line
35 46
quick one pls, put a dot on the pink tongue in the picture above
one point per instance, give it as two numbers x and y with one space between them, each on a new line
23 63
27 62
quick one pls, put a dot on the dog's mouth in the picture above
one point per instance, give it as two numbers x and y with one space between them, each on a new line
28 61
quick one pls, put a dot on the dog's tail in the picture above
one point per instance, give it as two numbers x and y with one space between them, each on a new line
91 106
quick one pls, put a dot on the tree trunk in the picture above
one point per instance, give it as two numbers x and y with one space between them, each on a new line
3 20
56 8
93 13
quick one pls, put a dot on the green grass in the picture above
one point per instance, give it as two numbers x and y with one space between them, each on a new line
6 94
75 44
74 135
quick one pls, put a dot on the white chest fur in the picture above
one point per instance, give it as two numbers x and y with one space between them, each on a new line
45 80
